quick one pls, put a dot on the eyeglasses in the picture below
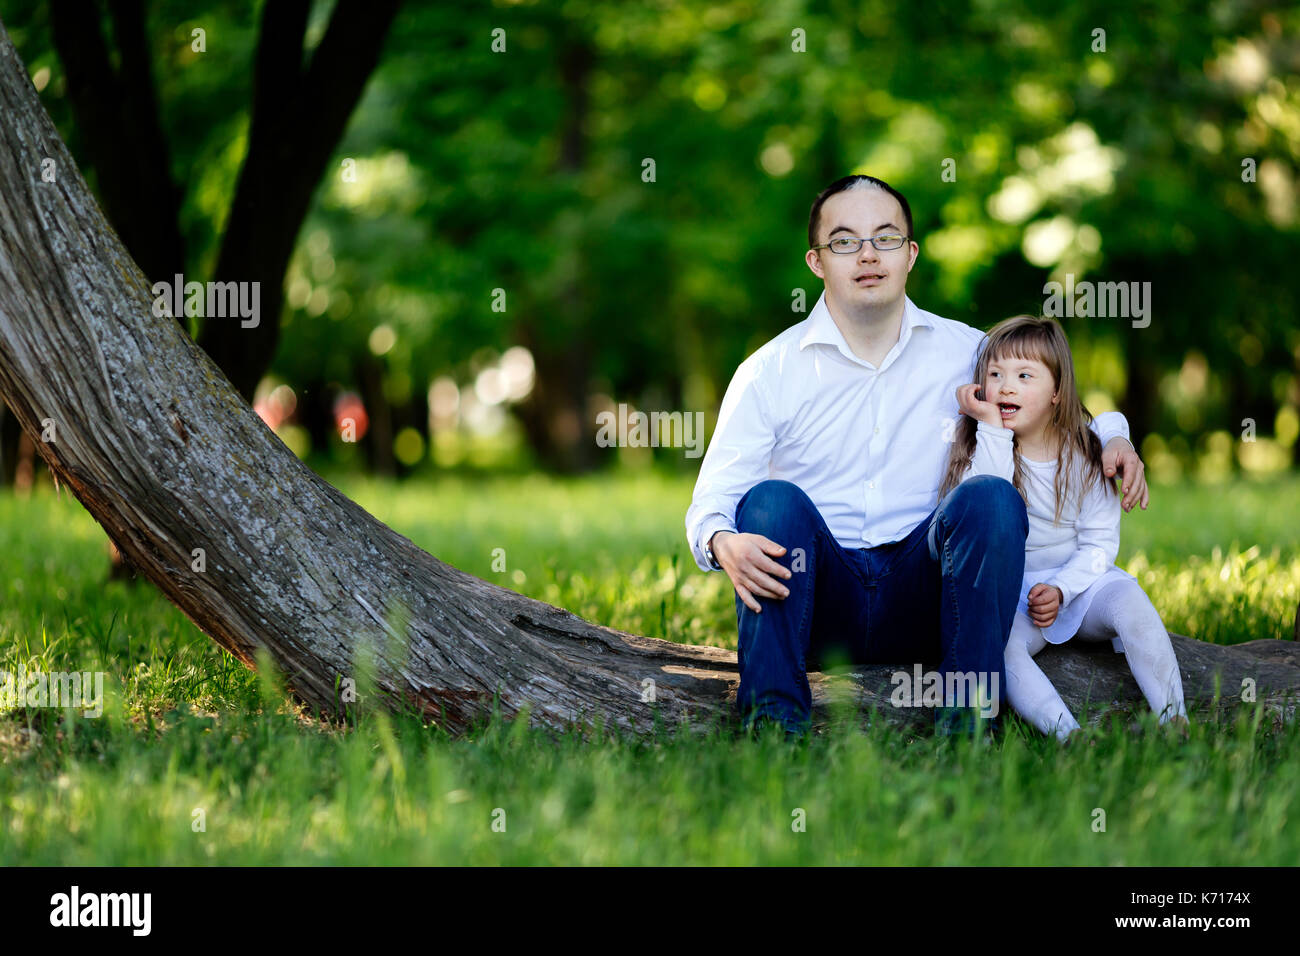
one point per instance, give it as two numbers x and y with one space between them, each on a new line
846 245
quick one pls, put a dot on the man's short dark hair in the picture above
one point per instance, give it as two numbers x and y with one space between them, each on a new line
848 182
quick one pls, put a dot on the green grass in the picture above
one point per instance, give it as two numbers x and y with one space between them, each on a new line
186 728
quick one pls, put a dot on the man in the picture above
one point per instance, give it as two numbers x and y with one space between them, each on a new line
817 495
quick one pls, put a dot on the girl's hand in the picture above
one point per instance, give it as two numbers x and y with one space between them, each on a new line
1044 602
976 408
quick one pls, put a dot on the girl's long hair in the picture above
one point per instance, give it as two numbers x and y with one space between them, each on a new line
1027 337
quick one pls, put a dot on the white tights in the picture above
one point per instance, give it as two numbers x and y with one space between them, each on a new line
1120 609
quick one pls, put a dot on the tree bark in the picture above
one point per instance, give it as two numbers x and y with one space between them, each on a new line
260 552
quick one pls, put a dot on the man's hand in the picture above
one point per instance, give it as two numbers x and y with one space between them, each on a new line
745 558
977 409
1118 455
1044 601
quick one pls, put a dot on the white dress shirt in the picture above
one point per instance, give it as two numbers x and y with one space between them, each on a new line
867 444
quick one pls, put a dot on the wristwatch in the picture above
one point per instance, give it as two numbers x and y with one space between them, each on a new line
708 554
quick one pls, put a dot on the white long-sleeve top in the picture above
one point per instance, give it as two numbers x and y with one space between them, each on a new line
867 444
1086 542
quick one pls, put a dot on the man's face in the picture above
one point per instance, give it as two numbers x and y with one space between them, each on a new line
867 277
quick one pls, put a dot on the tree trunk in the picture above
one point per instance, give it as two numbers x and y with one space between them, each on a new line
117 115
257 549
298 116
11 434
555 419
1140 393
252 545
378 442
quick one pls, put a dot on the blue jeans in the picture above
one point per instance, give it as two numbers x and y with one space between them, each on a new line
944 594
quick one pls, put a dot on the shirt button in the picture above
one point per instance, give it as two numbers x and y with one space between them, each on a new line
871 484
877 431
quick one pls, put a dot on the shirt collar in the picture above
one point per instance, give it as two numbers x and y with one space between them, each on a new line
822 329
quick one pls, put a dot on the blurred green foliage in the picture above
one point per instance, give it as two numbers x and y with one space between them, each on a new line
1145 142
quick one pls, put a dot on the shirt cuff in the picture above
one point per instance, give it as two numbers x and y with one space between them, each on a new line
1110 425
1121 438
997 431
1066 595
712 525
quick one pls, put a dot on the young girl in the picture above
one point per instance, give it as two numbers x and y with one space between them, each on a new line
1024 422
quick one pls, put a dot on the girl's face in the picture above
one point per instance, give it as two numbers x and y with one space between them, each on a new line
1024 391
